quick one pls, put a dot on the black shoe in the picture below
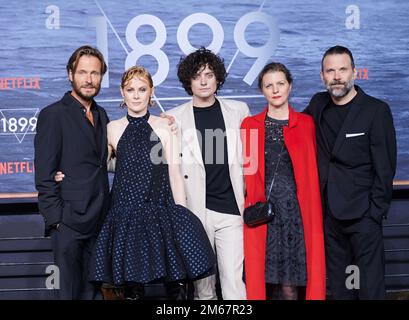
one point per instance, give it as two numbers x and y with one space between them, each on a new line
135 292
176 291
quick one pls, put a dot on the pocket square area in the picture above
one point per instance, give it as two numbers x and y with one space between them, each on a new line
351 135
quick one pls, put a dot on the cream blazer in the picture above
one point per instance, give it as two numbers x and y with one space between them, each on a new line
192 166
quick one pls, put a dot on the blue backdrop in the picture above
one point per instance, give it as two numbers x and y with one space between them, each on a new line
38 36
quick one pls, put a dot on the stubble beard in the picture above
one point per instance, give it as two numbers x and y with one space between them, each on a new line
77 90
340 93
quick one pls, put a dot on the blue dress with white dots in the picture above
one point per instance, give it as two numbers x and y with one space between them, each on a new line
147 237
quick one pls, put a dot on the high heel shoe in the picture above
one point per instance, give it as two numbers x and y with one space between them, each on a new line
176 291
134 292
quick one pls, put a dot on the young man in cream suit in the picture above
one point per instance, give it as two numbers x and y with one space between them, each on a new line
212 168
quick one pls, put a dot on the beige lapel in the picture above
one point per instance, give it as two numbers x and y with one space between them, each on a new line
231 130
189 134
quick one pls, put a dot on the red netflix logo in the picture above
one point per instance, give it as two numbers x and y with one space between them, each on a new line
362 74
20 83
15 167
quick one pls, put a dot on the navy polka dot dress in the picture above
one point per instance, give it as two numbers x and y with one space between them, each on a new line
147 237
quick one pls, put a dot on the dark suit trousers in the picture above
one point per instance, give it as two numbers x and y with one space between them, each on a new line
356 242
72 253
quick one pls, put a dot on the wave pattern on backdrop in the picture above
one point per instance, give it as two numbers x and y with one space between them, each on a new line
38 37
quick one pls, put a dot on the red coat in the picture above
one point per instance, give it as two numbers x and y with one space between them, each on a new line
299 139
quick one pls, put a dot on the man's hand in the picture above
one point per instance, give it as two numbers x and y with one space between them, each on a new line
171 122
59 176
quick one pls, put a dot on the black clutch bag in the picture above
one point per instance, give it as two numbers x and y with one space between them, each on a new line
260 213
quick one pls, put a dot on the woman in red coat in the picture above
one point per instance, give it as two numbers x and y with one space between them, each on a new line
280 153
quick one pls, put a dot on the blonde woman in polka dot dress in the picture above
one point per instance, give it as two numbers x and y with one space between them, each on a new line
148 235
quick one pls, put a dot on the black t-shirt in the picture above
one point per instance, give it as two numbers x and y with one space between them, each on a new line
333 118
213 143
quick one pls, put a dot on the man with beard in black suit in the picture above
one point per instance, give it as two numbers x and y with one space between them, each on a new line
71 137
356 146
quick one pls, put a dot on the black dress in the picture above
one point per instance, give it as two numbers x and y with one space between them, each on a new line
147 237
285 247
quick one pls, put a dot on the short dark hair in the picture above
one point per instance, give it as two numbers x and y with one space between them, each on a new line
274 67
194 62
338 50
85 51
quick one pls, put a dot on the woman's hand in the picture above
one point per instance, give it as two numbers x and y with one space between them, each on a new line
59 176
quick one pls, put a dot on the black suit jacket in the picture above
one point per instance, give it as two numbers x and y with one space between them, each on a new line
66 142
358 173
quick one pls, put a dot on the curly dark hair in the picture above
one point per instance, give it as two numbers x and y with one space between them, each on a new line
194 62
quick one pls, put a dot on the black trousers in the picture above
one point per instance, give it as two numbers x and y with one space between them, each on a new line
357 242
72 253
